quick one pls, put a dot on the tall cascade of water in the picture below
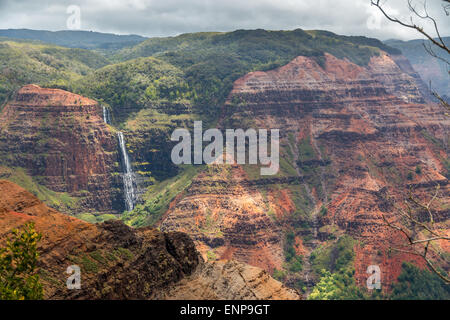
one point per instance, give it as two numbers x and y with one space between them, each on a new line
106 115
128 176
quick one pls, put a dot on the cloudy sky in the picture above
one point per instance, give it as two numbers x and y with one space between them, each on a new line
172 17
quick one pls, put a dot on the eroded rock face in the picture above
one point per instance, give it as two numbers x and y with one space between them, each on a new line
351 135
61 138
229 280
118 262
227 219
367 128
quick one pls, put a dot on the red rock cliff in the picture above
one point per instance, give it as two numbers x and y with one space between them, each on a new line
60 138
351 135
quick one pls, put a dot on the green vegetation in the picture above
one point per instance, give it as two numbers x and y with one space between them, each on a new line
134 85
58 200
91 218
18 263
254 170
213 61
334 265
209 62
334 257
89 264
211 255
311 167
32 62
104 42
211 224
303 203
305 150
158 198
97 256
88 217
337 286
294 262
438 143
279 275
148 99
124 253
447 167
338 283
418 169
416 284
165 83
148 138
162 83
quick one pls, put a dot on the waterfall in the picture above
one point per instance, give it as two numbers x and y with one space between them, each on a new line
106 115
128 177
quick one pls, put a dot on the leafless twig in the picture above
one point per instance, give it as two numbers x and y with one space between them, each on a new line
420 235
439 42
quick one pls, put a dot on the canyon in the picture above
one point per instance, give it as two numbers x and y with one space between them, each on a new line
349 136
359 132
118 262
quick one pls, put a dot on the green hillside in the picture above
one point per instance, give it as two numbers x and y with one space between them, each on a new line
213 61
23 62
133 85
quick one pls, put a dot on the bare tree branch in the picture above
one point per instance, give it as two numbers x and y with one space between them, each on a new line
413 229
439 42
420 234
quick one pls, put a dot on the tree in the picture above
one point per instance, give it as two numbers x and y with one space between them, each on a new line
420 231
339 285
416 284
18 263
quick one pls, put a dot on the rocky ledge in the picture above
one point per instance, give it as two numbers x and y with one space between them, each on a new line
118 262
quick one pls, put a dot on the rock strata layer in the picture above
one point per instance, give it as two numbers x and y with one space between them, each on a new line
61 140
350 137
118 262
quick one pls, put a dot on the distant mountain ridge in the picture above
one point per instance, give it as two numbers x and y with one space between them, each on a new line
433 71
75 39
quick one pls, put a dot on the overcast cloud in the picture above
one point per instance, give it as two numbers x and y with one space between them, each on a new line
172 17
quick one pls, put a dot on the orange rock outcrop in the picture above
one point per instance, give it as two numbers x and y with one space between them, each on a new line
60 137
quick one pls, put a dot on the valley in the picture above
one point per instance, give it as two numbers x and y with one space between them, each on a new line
90 137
